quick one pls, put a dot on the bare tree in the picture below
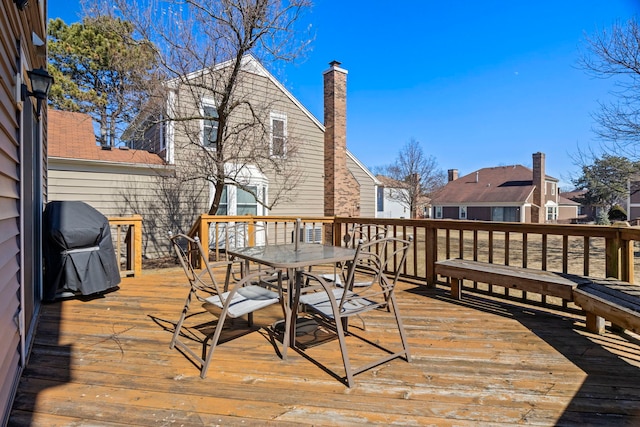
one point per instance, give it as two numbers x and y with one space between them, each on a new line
205 48
419 174
615 54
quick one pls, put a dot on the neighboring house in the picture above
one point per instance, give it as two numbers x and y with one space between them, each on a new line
573 211
388 198
504 193
23 177
633 202
117 181
333 181
121 182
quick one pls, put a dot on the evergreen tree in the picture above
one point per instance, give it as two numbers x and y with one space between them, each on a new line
99 69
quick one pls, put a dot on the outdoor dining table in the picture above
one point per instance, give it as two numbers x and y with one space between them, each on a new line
292 258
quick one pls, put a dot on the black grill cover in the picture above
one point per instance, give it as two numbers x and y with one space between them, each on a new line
78 251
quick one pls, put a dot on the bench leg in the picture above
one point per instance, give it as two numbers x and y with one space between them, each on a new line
595 323
456 288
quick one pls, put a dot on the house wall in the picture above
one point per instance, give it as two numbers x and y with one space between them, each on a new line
450 212
119 190
567 214
22 184
305 145
392 207
480 213
367 189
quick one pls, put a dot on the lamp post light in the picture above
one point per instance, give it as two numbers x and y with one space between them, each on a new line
41 82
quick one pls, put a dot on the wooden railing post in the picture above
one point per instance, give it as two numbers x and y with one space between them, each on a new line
132 241
625 254
431 246
619 259
337 227
251 231
137 245
203 234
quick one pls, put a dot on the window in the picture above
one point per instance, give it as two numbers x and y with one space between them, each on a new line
462 213
505 214
223 207
246 202
278 146
552 213
438 211
210 129
380 199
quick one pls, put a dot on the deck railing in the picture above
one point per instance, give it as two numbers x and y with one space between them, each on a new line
126 233
592 250
217 233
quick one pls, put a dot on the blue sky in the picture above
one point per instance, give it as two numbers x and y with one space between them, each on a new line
478 83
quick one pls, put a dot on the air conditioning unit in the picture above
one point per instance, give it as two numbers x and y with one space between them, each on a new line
312 234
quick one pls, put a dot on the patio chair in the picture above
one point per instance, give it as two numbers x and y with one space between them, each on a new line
232 300
359 234
335 305
364 233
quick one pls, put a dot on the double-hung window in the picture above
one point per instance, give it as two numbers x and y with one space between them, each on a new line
278 143
210 126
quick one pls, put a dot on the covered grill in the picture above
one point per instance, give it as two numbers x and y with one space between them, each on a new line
78 252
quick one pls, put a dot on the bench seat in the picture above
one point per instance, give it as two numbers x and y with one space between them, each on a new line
601 299
610 299
525 279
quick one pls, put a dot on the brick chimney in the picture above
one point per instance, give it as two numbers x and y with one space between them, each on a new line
453 174
341 189
538 213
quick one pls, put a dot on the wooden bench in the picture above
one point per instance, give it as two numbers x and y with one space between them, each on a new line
610 299
525 279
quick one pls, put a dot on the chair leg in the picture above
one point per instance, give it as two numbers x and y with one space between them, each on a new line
214 342
403 335
185 309
344 352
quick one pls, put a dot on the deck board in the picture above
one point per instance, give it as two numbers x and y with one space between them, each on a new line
483 360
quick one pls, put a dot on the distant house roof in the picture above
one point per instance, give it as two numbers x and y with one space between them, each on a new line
502 184
70 135
566 201
572 195
390 182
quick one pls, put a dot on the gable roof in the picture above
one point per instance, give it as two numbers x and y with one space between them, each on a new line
252 65
501 184
70 136
565 201
389 182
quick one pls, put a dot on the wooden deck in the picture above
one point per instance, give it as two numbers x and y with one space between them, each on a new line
479 361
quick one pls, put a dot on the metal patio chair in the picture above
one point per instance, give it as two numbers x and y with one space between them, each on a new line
335 305
236 299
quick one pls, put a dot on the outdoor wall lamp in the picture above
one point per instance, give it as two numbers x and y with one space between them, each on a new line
41 82
21 4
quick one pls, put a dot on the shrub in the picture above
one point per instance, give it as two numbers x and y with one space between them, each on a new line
617 213
602 218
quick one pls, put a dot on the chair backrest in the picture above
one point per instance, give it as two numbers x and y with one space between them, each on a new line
365 233
190 253
381 261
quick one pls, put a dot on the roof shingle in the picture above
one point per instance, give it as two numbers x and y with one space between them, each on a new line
70 135
501 184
